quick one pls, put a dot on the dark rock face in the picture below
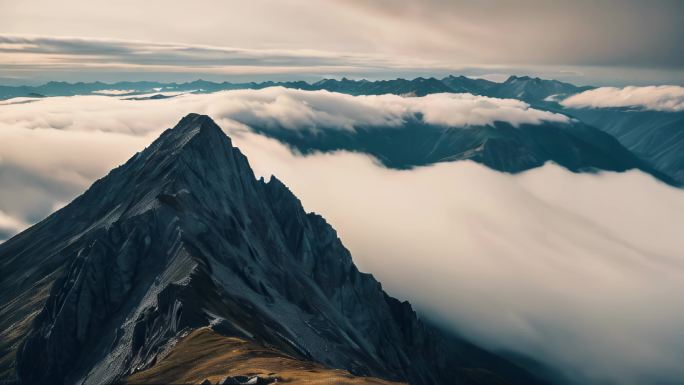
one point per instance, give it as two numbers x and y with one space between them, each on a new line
183 236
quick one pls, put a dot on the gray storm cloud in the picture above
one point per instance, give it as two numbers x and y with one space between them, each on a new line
656 98
582 271
28 53
134 52
579 32
618 33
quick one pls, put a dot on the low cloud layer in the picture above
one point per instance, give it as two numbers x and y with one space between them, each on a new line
113 92
582 271
656 98
55 147
279 107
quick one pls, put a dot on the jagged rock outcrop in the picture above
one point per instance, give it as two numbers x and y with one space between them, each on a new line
184 236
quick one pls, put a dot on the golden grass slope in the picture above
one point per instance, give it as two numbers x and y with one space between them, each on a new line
205 354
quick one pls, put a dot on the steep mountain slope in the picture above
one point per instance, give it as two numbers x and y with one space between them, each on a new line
182 236
500 146
655 136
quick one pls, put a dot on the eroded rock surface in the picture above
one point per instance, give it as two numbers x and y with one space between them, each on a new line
183 236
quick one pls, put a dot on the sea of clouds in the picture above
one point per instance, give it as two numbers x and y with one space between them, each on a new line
655 98
581 271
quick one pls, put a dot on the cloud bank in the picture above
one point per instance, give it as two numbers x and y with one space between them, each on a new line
44 143
582 271
279 107
113 92
656 98
27 53
564 267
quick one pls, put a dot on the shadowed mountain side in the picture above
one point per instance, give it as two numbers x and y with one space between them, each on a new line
655 136
501 146
183 236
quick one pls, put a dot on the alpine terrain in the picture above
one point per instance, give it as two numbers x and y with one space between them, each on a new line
181 266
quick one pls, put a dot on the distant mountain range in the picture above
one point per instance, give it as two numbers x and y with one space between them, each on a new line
532 90
182 251
501 146
656 137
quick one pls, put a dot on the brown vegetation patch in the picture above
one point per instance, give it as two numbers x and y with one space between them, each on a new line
205 354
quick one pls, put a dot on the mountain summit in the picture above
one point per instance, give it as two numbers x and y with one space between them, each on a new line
183 238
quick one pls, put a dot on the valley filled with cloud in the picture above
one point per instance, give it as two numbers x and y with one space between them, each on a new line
582 271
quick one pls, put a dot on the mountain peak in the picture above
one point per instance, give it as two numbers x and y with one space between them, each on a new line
191 128
195 156
193 121
183 237
513 78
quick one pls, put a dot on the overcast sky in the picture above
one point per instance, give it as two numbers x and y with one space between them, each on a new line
613 42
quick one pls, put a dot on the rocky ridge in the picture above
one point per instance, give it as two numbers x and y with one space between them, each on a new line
183 236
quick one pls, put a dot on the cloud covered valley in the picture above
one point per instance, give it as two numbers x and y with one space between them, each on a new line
583 270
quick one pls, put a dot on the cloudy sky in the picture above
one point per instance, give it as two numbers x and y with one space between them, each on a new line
610 42
557 265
